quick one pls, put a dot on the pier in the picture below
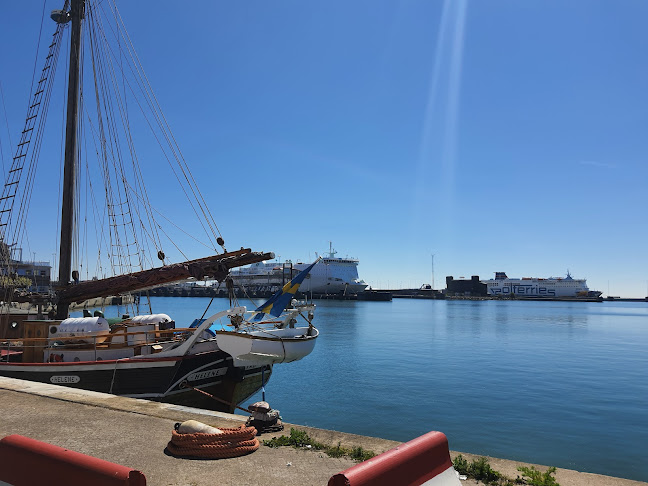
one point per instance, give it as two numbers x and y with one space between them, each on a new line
134 433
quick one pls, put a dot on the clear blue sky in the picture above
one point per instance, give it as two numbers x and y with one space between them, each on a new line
497 135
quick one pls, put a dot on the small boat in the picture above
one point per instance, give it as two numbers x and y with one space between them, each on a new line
268 342
267 335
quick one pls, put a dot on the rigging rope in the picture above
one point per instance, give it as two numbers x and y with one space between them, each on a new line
130 234
125 248
13 219
4 109
164 126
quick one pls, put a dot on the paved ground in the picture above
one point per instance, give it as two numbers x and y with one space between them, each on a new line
134 433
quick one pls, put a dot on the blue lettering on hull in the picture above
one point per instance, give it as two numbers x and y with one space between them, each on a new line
523 290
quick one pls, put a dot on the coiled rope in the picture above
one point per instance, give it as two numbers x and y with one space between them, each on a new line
233 442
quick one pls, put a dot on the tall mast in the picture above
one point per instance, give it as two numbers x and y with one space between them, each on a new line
69 171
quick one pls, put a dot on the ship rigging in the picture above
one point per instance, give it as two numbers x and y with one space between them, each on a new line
104 188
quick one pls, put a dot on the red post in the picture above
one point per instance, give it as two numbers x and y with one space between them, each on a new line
409 464
25 462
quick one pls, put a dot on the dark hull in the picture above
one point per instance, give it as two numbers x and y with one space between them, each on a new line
159 379
375 295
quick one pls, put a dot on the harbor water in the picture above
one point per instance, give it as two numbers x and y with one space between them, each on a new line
557 383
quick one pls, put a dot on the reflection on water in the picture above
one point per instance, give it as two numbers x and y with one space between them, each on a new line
532 381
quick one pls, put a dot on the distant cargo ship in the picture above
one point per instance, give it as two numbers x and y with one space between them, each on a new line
539 287
332 275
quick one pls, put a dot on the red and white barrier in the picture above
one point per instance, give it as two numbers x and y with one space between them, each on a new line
422 461
26 462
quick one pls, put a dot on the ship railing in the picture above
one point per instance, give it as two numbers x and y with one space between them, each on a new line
29 348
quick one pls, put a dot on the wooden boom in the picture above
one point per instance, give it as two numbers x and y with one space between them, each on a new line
216 267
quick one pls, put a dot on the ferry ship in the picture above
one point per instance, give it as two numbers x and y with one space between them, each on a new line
539 287
331 276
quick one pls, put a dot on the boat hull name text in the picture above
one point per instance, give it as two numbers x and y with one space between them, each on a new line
203 375
58 379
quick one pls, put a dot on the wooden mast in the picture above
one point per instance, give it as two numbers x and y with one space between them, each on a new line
69 172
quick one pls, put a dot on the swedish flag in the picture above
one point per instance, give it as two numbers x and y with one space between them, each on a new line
278 302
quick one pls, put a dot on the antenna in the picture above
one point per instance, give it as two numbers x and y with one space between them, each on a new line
432 271
332 252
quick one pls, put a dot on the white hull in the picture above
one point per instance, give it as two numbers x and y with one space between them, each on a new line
331 275
539 287
269 346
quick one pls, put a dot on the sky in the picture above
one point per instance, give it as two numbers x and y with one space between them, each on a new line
479 136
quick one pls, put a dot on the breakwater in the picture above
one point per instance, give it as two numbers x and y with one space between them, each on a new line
269 290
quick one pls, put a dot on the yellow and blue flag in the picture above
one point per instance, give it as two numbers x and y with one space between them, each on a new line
276 304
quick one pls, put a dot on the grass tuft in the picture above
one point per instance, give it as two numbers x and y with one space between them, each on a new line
538 478
300 440
481 470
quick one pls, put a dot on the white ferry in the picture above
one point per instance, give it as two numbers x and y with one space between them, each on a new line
332 275
539 287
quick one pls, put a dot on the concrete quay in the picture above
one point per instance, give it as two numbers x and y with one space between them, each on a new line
134 433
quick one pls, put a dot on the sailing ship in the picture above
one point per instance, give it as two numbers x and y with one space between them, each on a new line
229 355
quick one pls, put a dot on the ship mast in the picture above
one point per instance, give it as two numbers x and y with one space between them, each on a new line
216 266
75 15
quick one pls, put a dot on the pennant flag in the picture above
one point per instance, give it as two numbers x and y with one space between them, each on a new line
278 302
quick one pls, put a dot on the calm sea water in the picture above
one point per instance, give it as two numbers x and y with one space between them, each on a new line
556 383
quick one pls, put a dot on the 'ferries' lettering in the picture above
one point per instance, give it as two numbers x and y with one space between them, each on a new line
523 290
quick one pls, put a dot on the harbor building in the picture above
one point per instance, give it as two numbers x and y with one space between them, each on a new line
466 288
38 272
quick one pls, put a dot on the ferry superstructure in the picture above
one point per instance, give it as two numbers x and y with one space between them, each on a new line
539 287
332 275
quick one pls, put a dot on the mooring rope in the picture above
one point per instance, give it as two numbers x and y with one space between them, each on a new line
232 442
184 384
